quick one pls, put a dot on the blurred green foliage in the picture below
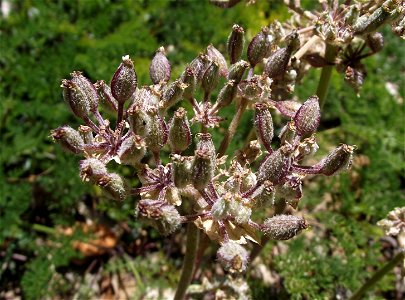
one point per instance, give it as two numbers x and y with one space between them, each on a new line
43 41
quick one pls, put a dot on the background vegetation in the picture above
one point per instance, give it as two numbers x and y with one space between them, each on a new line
44 205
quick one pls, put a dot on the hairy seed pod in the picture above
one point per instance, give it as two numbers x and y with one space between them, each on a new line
189 78
199 65
104 92
146 98
275 167
157 134
287 108
375 41
113 185
86 133
219 209
181 170
239 212
259 47
123 83
237 71
233 257
92 170
204 142
227 94
68 138
236 41
217 56
283 227
87 88
160 69
264 196
139 120
276 64
203 169
338 160
264 125
211 78
369 23
76 99
179 131
173 94
308 117
131 150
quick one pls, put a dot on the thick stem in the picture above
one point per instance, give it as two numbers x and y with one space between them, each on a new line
308 45
188 262
377 276
324 80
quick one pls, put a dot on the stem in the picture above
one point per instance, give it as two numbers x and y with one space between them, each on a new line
323 85
189 261
232 127
377 276
120 113
300 53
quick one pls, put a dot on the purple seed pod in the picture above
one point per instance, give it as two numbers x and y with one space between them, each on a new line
276 64
172 94
217 56
264 125
233 257
157 134
276 166
287 108
210 78
354 78
104 91
235 44
132 150
203 169
92 170
179 131
181 170
160 70
76 99
204 142
283 227
86 133
68 138
190 79
123 83
308 117
113 185
139 120
237 71
375 41
338 160
199 65
259 47
227 94
87 88
146 98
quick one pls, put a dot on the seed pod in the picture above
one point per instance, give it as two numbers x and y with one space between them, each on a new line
179 131
189 78
275 167
354 78
68 138
288 134
113 185
287 108
139 120
239 211
264 125
104 92
76 99
338 160
259 47
172 94
219 209
199 65
203 169
375 41
214 55
181 170
86 133
283 227
92 170
210 78
227 94
291 191
87 88
123 83
369 23
204 142
237 70
308 117
157 132
160 70
233 257
146 98
276 64
131 150
264 197
236 41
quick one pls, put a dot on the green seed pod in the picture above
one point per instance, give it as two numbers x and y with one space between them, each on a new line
86 133
203 169
375 41
275 167
132 150
181 170
237 71
113 185
227 94
172 94
123 83
104 92
157 133
338 160
236 41
92 170
179 131
68 138
369 23
259 47
308 117
87 88
139 120
190 79
283 227
214 55
233 257
210 78
76 99
264 125
160 70
264 197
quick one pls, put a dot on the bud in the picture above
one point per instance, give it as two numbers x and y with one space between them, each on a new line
104 91
179 131
236 41
181 170
139 120
227 94
339 159
157 133
86 133
283 227
375 41
123 83
68 138
264 196
219 209
172 94
264 125
233 257
308 117
92 170
87 88
287 108
276 64
160 70
76 98
113 185
275 167
131 150
249 153
354 77
210 78
288 134
239 211
237 70
203 169
259 47
214 55
189 78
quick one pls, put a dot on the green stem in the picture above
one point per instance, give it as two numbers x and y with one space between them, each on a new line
324 80
188 262
377 276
